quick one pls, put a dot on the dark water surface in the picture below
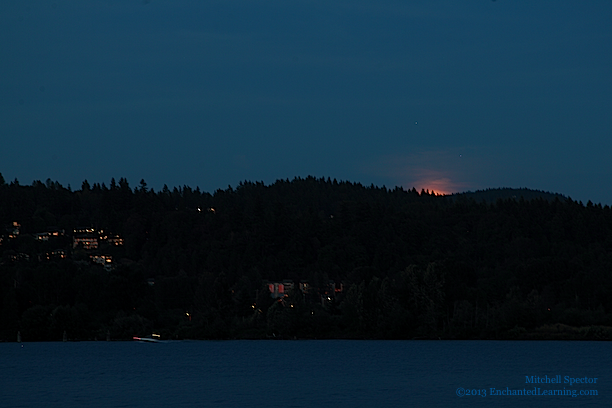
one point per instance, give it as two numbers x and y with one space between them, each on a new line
335 373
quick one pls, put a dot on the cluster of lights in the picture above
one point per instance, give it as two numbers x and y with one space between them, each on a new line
84 231
15 230
102 259
57 253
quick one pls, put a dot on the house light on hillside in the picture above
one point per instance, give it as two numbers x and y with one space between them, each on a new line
280 289
57 254
115 240
102 259
14 230
83 231
87 240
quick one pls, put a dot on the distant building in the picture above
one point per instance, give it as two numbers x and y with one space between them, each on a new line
50 233
41 236
305 287
280 289
87 240
57 254
13 230
114 240
328 292
19 257
102 259
105 260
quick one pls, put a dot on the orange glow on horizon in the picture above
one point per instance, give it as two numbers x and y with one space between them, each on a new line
440 186
435 192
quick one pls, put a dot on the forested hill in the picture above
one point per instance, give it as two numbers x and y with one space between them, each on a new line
493 194
306 258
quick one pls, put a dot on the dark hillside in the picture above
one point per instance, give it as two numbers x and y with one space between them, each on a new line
493 194
306 258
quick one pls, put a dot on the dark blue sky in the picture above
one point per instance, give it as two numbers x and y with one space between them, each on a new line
443 95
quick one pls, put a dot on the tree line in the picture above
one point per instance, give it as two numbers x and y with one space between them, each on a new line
377 262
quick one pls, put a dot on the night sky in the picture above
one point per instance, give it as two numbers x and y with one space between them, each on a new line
445 95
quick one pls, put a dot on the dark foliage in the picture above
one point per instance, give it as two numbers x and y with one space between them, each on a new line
365 262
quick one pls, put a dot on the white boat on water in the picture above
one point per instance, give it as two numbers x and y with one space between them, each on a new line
155 338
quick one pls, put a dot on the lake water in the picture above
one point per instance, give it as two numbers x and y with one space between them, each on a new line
335 373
